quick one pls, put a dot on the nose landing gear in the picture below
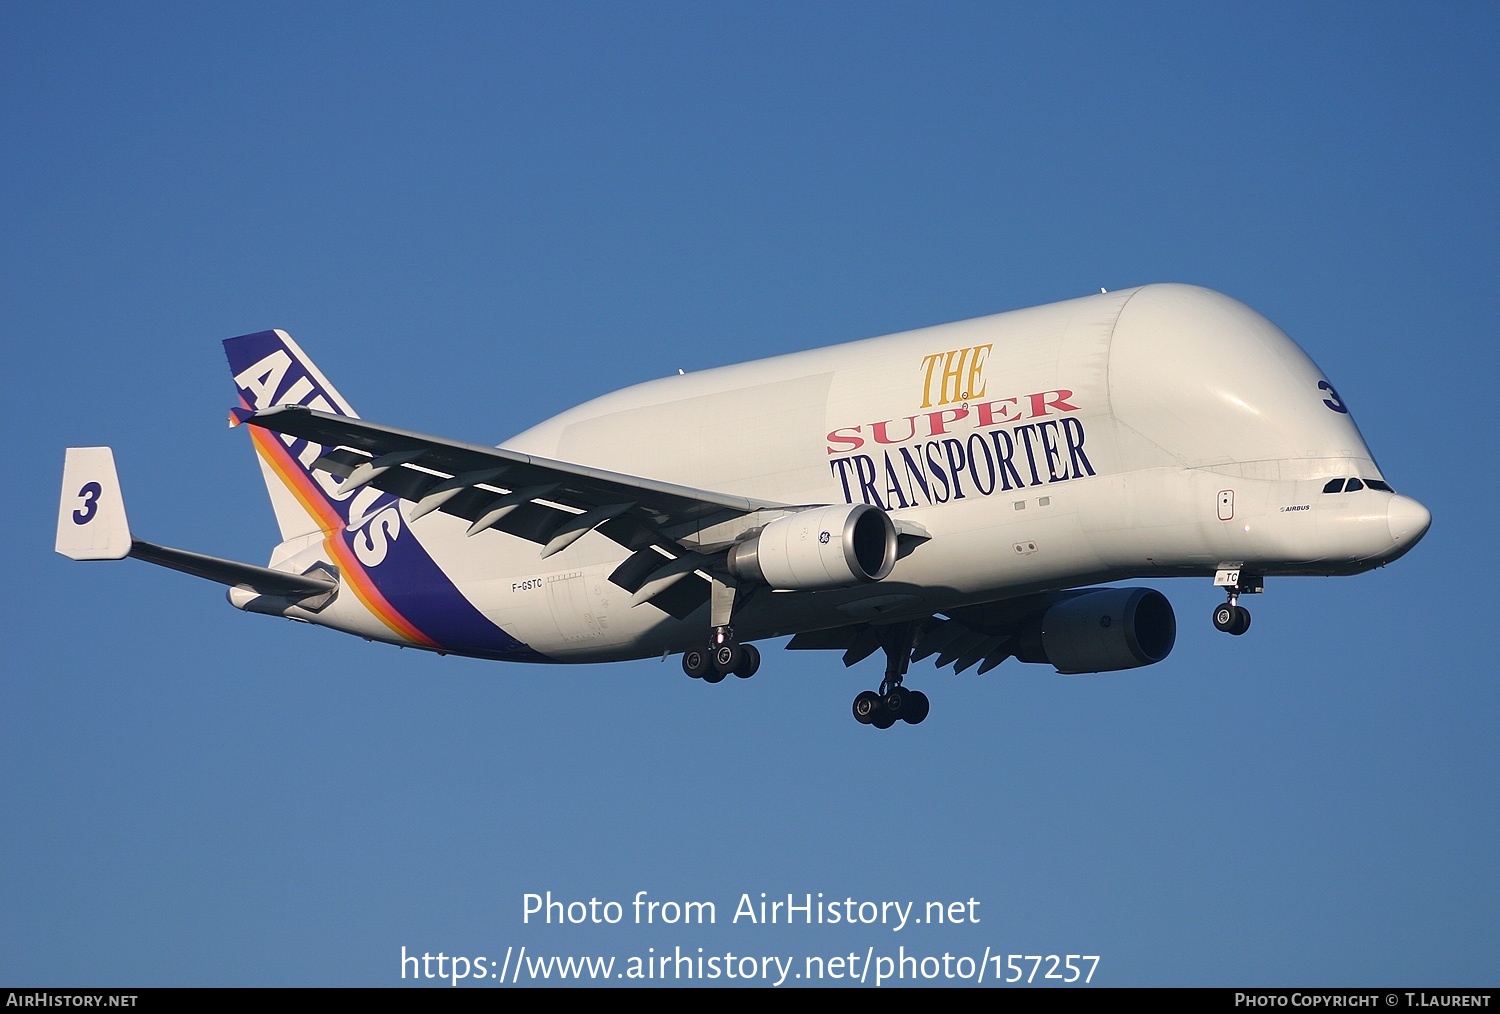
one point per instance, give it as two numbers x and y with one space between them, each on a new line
1230 616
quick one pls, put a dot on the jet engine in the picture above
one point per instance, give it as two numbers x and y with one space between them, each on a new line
1102 630
822 547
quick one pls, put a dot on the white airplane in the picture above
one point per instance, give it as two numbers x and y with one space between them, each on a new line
950 491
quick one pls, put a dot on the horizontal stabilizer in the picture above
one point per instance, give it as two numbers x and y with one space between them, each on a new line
261 580
91 525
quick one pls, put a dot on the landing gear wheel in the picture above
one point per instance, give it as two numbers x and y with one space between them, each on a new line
895 702
696 663
1225 616
1241 620
866 706
749 661
883 719
916 707
714 676
727 657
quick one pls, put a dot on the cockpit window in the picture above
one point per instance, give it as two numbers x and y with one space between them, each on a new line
1350 485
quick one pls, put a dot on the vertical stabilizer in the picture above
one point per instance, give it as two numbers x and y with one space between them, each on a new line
91 521
270 369
379 560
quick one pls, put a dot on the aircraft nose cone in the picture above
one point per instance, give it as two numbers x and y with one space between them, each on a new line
1408 520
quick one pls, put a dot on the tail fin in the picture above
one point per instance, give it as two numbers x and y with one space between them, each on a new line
91 522
270 369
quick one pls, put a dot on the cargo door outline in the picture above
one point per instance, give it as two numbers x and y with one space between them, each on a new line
568 601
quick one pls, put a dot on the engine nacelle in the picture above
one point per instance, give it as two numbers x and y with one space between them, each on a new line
1103 631
825 547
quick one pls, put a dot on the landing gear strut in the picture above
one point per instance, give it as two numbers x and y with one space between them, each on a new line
1230 616
894 702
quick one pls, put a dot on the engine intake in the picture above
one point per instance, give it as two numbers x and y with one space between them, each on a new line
1103 631
823 547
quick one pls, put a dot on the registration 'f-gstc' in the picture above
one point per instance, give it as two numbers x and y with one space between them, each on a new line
954 492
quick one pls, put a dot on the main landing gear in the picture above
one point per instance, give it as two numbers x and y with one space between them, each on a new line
723 656
1230 616
894 702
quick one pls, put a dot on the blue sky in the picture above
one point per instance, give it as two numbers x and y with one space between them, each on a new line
477 215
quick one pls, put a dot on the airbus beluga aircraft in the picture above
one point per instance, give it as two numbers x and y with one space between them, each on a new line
957 491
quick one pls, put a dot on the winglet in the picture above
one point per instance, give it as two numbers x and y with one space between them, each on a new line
91 521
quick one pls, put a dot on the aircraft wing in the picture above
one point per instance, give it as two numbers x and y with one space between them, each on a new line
551 503
1076 630
983 635
954 641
